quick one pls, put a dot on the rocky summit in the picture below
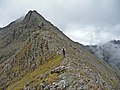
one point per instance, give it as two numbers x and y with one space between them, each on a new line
32 58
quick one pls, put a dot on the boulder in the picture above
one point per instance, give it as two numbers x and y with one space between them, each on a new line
59 69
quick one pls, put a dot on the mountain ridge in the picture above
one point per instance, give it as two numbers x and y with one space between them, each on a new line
20 31
38 63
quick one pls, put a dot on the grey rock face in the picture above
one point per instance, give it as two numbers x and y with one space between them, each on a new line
16 33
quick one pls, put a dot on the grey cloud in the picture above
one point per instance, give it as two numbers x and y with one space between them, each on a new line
109 52
92 34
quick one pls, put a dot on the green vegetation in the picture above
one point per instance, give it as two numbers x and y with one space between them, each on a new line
32 77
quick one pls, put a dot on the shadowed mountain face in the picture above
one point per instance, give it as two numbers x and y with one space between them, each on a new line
32 59
109 52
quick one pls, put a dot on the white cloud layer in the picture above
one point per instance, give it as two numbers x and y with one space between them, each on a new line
91 34
86 21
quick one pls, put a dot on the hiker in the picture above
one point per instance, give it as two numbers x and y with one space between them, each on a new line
42 24
63 53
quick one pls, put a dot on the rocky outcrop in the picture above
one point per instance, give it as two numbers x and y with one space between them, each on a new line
59 69
61 85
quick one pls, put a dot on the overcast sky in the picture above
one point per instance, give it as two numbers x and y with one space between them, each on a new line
85 21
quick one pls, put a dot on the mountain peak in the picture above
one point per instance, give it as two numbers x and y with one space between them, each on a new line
31 15
115 42
33 19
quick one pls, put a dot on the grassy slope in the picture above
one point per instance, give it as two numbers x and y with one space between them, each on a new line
32 77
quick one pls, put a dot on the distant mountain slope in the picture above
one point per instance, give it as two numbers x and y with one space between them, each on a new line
109 52
38 62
